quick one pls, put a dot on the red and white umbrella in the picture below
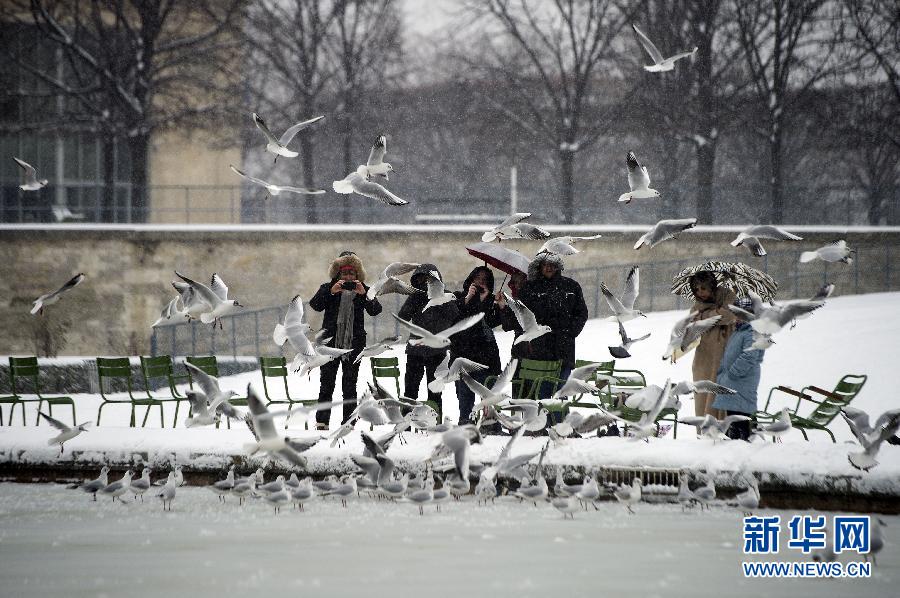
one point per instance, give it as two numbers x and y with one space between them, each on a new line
500 257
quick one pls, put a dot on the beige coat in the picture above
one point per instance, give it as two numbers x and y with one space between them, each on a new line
712 345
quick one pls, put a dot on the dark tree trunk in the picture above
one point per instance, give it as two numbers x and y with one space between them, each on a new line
706 164
139 150
108 174
567 185
776 212
348 157
306 150
874 211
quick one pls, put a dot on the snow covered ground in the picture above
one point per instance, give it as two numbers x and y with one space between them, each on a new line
57 542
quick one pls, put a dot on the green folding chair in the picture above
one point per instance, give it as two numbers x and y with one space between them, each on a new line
161 366
114 369
27 368
847 389
209 365
386 367
276 367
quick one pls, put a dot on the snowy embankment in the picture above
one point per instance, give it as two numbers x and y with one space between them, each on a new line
853 334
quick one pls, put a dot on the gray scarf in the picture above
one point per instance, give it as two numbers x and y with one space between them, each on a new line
343 337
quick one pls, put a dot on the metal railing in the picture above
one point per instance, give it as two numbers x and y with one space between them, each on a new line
250 332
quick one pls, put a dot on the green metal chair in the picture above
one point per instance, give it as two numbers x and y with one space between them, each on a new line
386 367
161 366
27 368
119 368
603 395
276 367
847 389
209 365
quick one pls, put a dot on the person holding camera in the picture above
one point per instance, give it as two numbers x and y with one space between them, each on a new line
476 343
423 360
344 301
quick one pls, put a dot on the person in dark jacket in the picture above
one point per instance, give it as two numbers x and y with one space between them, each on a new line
476 343
343 299
421 359
558 302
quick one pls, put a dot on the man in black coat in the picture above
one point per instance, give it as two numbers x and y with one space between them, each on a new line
476 343
344 302
558 302
421 359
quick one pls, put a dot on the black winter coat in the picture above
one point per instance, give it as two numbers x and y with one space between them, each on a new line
557 302
478 343
434 320
324 300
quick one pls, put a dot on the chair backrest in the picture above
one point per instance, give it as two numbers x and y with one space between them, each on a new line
603 367
157 367
207 363
23 367
114 368
531 372
386 367
274 367
847 388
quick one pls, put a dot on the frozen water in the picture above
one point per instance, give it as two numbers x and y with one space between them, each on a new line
57 542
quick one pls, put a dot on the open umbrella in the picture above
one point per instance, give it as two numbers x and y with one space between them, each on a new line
504 259
738 277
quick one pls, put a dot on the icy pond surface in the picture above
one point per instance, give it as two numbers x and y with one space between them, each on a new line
57 542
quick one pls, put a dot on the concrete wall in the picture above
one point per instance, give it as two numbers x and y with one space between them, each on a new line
129 270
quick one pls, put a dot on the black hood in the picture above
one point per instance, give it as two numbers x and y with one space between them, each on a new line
474 272
421 282
534 268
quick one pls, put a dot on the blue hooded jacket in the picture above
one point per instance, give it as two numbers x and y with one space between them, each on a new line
739 370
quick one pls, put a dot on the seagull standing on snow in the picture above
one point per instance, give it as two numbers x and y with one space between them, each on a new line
274 189
660 64
31 182
638 181
629 495
623 310
357 182
750 236
664 230
65 432
279 146
514 228
833 252
51 298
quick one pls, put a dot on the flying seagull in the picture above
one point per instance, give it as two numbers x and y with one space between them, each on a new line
663 230
685 332
375 165
624 310
279 146
621 352
527 320
769 320
833 252
638 181
438 340
216 295
51 298
660 64
751 235
388 282
65 432
273 189
357 182
31 181
514 227
564 245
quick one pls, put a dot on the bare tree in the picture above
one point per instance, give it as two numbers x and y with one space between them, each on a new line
788 48
876 33
291 69
135 67
553 58
368 49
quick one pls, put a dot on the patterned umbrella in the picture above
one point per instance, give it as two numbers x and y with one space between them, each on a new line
738 277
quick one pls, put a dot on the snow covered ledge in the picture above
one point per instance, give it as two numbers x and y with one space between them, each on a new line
792 475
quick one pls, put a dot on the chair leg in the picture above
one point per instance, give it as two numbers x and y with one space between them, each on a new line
288 418
22 405
830 434
73 414
162 423
100 411
175 419
37 416
805 437
146 413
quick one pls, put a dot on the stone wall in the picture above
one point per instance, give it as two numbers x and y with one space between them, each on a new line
129 271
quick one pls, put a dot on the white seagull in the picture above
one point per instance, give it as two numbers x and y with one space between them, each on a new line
385 344
685 332
389 283
375 165
495 394
279 146
514 228
51 298
217 398
564 245
527 320
769 320
629 495
171 309
65 432
638 181
275 190
623 310
447 372
621 352
750 237
576 383
357 182
833 252
31 181
216 295
660 64
437 295
437 340
664 230
870 438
